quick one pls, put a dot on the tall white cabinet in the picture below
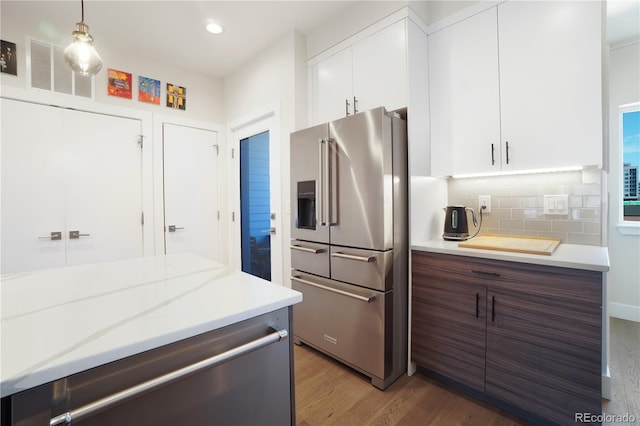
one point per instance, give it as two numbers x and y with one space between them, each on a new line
517 88
386 67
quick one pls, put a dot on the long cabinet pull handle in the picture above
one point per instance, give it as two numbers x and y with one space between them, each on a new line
355 105
477 305
491 274
346 108
306 249
507 144
493 308
52 236
493 155
118 397
341 255
335 290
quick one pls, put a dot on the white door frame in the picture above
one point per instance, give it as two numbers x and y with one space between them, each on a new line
264 119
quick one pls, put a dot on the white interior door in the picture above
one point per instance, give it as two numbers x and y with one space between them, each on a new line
190 157
32 188
103 187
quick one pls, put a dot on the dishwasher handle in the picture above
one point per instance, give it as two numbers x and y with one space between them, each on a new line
118 397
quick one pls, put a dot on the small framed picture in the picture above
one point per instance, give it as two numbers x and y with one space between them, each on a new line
148 90
8 58
119 83
176 97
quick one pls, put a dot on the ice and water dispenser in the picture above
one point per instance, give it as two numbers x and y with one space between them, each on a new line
307 205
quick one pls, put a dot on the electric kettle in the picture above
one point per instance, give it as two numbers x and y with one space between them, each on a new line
456 226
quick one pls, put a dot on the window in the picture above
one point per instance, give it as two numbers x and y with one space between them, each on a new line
49 71
630 141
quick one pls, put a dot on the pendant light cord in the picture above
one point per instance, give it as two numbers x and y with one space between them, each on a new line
82 9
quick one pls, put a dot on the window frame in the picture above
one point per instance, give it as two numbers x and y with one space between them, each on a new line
626 227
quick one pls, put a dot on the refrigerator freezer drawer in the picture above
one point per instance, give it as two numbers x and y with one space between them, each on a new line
310 257
346 322
367 268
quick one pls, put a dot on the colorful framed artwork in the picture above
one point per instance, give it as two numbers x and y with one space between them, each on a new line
120 83
8 58
148 90
176 97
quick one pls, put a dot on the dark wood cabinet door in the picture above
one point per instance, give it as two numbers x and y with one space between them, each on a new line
544 351
448 321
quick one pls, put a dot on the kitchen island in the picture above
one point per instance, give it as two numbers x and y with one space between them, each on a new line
120 324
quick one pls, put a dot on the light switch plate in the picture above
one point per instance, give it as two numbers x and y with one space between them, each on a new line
556 204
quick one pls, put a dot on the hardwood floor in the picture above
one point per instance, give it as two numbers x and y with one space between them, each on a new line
329 393
624 365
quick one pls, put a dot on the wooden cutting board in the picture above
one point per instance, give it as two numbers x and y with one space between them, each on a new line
513 243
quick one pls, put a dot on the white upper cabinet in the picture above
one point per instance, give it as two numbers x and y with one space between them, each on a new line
464 95
368 74
516 88
551 83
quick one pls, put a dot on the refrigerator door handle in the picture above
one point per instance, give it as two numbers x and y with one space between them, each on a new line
353 257
330 193
335 290
320 195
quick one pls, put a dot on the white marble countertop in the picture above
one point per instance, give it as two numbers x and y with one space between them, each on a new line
591 258
62 321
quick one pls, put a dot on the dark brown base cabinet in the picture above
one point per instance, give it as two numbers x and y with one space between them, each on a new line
522 334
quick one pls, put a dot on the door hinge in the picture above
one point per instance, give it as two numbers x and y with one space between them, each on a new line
218 214
142 218
233 152
141 141
233 216
217 147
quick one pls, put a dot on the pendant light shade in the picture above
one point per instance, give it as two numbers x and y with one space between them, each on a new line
81 55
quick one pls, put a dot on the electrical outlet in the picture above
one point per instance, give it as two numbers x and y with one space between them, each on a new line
484 201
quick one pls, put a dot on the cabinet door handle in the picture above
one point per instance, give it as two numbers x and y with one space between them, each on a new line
346 107
493 155
507 144
106 402
53 236
355 105
490 274
493 308
477 305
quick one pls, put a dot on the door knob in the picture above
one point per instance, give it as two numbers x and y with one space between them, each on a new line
173 228
52 236
272 231
74 235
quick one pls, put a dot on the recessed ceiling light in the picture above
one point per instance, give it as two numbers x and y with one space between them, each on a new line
214 28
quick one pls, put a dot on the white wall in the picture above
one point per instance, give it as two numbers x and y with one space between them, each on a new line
276 76
623 278
204 93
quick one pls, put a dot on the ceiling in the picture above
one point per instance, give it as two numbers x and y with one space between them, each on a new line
175 30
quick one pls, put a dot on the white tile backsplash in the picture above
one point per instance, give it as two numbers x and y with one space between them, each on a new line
518 205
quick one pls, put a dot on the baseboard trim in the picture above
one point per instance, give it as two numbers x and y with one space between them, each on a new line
625 312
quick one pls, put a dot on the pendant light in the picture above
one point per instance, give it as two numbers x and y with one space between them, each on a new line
81 56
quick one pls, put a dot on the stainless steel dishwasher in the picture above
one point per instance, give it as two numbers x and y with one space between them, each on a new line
238 375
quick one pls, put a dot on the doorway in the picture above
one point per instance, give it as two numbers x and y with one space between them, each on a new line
255 206
256 245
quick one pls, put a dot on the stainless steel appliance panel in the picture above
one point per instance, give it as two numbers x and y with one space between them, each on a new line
255 388
310 257
347 322
362 181
367 268
309 165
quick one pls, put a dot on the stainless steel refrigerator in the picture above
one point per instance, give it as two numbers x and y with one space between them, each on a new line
349 246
